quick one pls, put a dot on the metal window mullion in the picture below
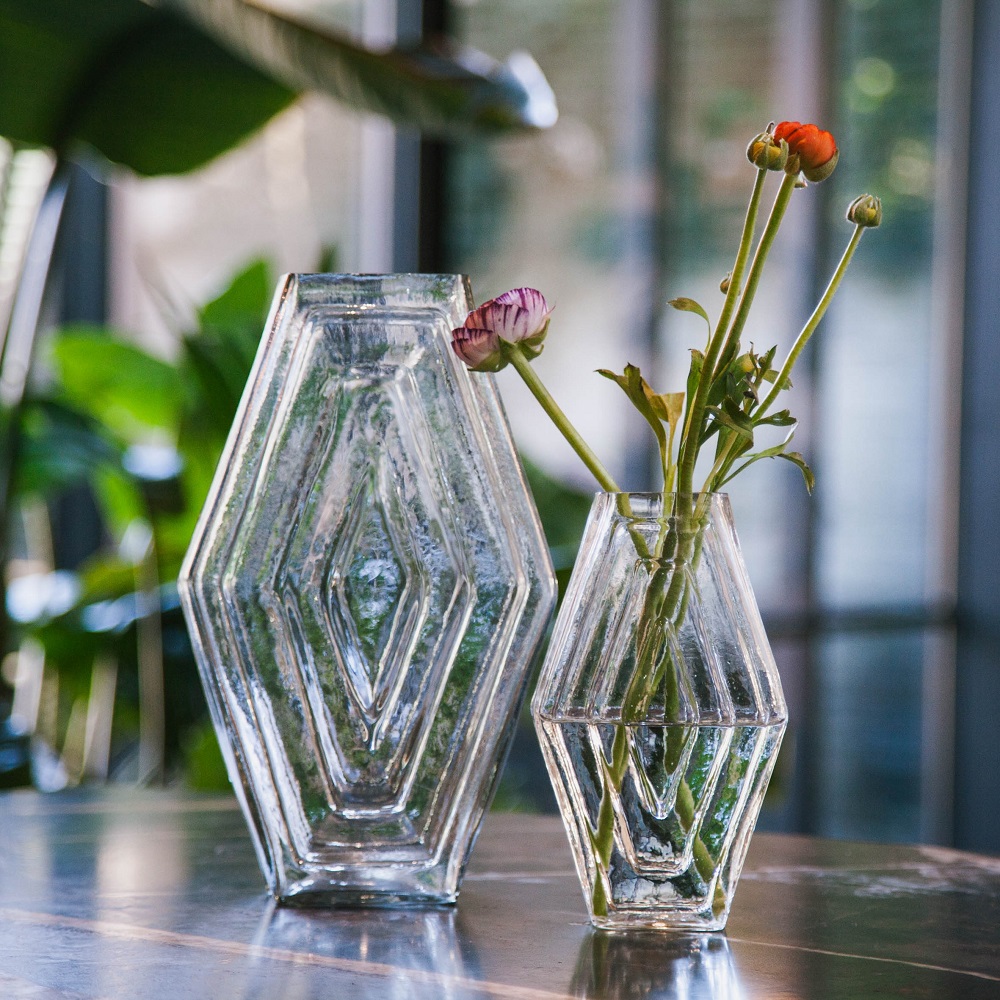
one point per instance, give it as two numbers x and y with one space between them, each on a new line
937 784
977 675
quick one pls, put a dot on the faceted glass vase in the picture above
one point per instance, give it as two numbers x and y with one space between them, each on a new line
365 591
659 711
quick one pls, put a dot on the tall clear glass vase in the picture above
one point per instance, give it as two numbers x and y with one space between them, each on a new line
365 591
659 711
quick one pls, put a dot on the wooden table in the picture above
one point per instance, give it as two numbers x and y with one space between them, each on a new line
157 896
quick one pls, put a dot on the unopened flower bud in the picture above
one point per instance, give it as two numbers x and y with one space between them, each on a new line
767 153
520 316
811 150
865 211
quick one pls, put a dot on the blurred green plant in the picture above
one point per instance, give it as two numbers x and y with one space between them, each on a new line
163 86
563 511
145 434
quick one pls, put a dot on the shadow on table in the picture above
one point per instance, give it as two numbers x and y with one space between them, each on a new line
655 965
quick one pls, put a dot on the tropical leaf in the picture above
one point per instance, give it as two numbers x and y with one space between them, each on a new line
218 356
230 327
118 384
163 88
143 86
438 89
242 306
59 447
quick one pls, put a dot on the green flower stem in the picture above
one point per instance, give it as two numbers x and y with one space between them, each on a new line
767 237
691 440
722 463
514 354
666 599
724 460
742 256
811 324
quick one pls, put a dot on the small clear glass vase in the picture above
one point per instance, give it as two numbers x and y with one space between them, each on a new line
659 711
366 591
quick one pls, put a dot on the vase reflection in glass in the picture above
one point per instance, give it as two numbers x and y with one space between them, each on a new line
659 711
365 592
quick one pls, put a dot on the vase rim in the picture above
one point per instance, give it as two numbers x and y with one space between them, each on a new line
656 506
658 493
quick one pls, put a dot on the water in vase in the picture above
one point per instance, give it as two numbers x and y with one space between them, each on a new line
657 829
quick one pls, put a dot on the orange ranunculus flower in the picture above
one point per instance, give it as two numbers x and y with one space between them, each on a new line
811 149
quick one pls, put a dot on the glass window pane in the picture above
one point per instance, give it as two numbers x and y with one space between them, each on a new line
874 363
868 744
637 196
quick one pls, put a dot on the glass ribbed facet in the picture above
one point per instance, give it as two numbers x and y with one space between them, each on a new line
366 591
659 711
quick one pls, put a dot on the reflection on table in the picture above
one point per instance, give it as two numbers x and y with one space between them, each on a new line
152 895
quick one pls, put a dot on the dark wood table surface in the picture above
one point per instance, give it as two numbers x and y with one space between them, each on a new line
157 896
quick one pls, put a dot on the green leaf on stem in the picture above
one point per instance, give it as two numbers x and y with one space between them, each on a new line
689 305
668 406
734 381
648 403
765 371
730 415
783 418
777 451
797 460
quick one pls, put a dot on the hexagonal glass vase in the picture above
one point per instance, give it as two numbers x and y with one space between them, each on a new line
365 591
659 711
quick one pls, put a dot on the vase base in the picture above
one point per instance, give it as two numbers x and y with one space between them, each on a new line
324 899
385 886
327 893
661 921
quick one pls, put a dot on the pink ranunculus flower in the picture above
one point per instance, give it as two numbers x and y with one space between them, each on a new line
520 316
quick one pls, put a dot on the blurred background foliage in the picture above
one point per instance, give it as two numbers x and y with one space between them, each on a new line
164 87
634 197
144 435
98 675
